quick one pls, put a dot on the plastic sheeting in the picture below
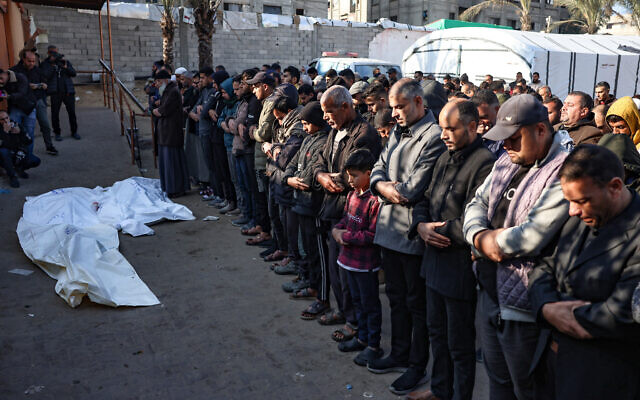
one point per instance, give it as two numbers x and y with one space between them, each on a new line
564 62
239 20
72 235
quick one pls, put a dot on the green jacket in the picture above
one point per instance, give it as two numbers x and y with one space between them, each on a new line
264 132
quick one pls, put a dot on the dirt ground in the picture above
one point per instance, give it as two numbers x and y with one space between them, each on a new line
225 329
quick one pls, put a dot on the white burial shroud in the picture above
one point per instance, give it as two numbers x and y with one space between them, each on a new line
72 234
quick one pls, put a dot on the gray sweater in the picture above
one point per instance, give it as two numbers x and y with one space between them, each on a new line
408 158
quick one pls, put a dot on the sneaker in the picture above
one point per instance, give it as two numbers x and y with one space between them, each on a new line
209 196
290 269
386 365
76 136
235 212
240 221
52 150
14 182
217 204
58 138
409 381
231 206
351 345
292 287
367 355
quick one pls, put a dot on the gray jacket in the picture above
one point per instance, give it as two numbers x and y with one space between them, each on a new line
206 100
408 158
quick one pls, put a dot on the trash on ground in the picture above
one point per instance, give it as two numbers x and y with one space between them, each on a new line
76 242
31 315
34 389
349 387
20 271
368 395
211 218
5 191
298 376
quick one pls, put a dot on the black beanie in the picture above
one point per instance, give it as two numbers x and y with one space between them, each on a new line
312 113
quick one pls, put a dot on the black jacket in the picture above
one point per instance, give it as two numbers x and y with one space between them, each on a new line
456 176
189 99
291 129
58 79
307 202
605 273
20 95
34 75
360 135
14 141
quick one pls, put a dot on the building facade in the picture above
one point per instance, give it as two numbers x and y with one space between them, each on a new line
309 8
422 12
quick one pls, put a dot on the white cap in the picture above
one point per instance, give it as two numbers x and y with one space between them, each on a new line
181 70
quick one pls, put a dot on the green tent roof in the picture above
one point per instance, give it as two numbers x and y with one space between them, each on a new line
453 23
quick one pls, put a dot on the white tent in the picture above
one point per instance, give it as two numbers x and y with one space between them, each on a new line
564 62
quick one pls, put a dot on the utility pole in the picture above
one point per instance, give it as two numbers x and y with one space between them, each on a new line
183 32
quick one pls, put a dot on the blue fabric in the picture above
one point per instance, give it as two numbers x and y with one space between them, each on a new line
242 176
27 121
366 301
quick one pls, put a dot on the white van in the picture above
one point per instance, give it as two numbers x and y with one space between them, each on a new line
361 66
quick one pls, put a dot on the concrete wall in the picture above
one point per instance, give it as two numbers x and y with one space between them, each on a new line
137 43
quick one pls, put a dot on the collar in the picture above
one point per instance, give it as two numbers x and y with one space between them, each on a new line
350 128
419 125
463 153
554 150
365 193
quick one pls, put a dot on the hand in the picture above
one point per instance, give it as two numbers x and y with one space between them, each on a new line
224 126
337 236
485 242
232 124
482 129
194 116
198 110
44 86
156 112
427 231
388 191
157 102
275 152
213 114
297 183
33 86
326 181
242 129
560 315
266 148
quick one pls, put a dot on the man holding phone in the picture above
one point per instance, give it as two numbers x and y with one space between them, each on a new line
58 72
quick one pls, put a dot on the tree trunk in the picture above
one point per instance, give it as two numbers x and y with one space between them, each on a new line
525 22
168 27
205 28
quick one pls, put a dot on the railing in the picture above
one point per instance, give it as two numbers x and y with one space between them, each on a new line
113 88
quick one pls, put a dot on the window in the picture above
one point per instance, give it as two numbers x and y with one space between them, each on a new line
452 15
512 23
533 26
394 18
495 21
375 2
272 10
461 10
352 6
299 11
232 7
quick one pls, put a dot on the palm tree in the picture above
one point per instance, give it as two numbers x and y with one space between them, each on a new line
634 8
521 7
168 27
590 15
204 13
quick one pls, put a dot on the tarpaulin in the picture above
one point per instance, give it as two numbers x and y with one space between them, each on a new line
72 234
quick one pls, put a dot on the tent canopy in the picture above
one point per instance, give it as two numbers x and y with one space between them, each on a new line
454 23
565 62
81 4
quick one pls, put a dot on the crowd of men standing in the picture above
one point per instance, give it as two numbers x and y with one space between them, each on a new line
498 203
24 90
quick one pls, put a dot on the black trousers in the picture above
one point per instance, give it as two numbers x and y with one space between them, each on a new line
69 101
339 278
452 334
406 292
262 201
292 228
313 265
221 173
277 229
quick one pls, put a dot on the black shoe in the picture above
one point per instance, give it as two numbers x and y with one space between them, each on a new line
76 136
351 345
367 355
52 150
58 138
386 365
268 251
409 381
22 174
14 182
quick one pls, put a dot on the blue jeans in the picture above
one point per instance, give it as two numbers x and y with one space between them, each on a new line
366 300
43 121
6 162
28 122
243 181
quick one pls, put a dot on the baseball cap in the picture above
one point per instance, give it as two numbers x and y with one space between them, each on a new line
515 113
358 87
261 77
180 71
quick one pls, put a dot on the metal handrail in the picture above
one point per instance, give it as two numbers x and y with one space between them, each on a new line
122 86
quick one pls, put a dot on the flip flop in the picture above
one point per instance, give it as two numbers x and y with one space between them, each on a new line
314 310
334 317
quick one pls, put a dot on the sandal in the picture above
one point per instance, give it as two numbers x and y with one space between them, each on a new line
283 262
262 237
304 294
344 334
276 256
256 230
352 345
334 317
314 310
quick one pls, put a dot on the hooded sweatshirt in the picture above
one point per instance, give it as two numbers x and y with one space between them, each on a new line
228 111
626 151
626 109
